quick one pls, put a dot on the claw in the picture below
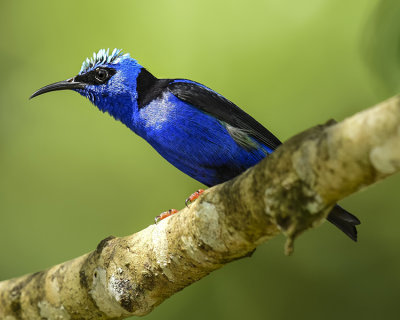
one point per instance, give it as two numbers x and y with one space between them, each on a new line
170 212
193 197
164 215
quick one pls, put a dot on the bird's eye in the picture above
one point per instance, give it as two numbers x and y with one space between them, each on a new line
101 74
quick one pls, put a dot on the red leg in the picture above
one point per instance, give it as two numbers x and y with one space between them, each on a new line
193 197
170 212
165 214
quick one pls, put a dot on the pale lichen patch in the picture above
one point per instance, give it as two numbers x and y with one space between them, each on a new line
189 246
161 249
118 287
386 158
301 160
314 206
47 311
105 299
207 219
269 203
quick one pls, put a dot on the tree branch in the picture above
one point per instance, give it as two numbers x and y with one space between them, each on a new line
290 191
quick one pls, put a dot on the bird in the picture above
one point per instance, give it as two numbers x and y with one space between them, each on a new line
193 127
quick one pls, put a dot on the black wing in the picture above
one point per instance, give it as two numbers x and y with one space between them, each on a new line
224 110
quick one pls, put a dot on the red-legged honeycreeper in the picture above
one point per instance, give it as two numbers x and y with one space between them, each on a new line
193 127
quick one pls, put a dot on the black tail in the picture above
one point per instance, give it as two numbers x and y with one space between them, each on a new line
345 221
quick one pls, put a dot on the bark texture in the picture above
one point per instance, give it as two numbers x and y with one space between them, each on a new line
291 191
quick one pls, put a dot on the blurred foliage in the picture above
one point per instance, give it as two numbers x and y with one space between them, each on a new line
381 45
70 176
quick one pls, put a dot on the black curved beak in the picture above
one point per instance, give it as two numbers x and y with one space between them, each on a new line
61 85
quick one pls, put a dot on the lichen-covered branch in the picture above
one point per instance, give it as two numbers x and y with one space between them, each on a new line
289 192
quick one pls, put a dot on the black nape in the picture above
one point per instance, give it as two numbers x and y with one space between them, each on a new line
148 87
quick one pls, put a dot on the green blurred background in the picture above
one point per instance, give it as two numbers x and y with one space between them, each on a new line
70 176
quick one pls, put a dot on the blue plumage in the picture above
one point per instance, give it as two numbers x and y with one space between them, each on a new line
195 142
193 127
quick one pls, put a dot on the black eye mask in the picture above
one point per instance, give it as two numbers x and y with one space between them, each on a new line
97 76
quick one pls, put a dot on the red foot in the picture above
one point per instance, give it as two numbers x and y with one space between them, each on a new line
165 214
193 197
